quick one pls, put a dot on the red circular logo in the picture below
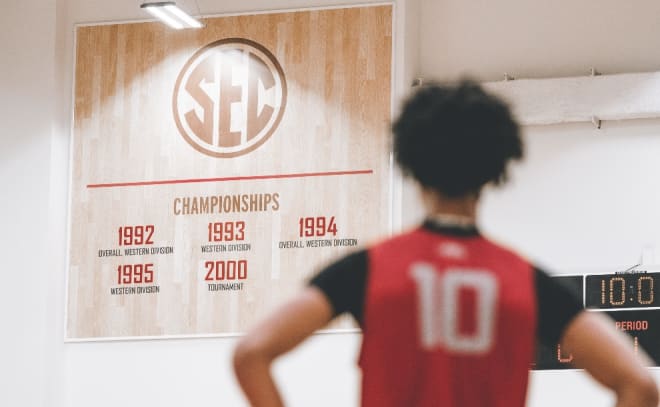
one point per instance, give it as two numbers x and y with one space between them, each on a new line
229 97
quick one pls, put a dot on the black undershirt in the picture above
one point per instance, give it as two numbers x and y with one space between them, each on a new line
344 284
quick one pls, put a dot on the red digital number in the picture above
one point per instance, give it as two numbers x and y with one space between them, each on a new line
561 358
226 231
317 226
136 235
135 273
225 270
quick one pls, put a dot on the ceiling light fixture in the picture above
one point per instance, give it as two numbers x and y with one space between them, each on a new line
170 14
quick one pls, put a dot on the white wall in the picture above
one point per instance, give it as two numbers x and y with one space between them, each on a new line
597 206
27 47
596 185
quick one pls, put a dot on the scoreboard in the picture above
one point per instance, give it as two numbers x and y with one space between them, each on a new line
629 299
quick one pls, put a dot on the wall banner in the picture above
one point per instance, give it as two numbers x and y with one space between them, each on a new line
215 170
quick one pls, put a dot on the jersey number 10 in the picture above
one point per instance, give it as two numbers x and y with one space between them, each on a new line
439 302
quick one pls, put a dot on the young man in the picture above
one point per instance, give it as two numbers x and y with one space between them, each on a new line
449 318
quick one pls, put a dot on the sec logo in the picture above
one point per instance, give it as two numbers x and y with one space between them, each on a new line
229 97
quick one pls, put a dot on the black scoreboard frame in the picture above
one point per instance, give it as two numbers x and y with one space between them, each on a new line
628 298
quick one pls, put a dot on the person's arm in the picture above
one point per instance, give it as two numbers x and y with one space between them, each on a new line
282 331
608 356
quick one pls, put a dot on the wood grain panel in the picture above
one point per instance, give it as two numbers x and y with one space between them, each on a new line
337 64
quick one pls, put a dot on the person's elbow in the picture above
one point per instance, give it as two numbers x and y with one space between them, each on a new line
645 389
249 353
636 389
651 391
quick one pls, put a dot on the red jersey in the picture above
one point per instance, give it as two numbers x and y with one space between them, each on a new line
448 321
449 318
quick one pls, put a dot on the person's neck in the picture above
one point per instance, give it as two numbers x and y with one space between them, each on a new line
461 210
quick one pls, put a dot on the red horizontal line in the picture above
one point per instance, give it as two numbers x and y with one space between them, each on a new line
223 179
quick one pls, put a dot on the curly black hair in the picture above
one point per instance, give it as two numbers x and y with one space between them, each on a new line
456 138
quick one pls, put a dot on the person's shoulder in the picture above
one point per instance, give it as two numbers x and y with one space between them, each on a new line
506 252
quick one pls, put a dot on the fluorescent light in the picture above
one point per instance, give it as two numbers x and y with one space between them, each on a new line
183 16
170 14
162 16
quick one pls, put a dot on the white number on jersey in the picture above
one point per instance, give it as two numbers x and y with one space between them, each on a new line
438 303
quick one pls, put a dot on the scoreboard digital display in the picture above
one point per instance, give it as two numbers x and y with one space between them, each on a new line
621 291
629 299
